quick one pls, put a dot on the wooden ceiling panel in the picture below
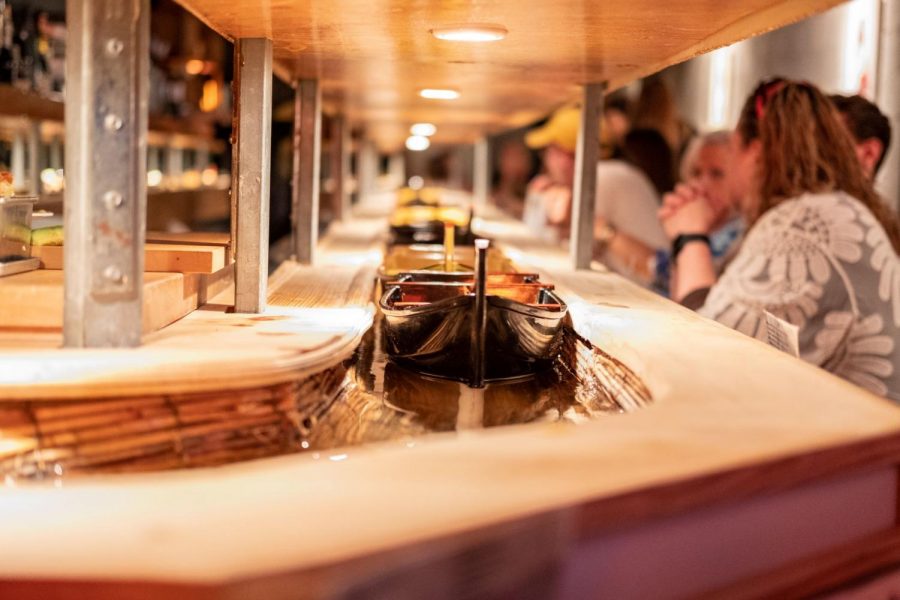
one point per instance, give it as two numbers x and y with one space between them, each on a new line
373 56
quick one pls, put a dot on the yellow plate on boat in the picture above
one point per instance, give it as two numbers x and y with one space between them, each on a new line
431 196
422 215
422 256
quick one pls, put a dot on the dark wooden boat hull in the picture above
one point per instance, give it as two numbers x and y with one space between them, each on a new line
435 339
461 276
430 232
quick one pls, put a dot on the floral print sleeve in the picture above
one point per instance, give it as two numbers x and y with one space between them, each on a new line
825 264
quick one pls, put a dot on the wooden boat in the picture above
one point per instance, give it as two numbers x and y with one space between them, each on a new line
468 278
431 258
485 328
424 224
422 197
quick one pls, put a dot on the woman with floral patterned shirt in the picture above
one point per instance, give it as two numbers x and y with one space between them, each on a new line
822 249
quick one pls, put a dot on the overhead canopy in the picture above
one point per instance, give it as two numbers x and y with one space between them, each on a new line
373 56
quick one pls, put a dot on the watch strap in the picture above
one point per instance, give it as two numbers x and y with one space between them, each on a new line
686 238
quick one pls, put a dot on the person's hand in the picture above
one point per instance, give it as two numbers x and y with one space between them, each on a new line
683 193
540 183
686 210
558 204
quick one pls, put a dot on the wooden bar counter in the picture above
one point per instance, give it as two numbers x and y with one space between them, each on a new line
750 474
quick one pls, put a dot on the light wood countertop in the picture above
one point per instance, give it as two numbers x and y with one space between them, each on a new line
731 418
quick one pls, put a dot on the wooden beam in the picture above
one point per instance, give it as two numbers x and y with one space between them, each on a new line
160 258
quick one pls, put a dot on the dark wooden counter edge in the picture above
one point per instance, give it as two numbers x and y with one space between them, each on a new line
545 536
839 568
737 484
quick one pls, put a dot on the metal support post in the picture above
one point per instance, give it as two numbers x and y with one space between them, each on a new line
250 172
587 153
340 167
481 172
56 153
367 169
34 158
888 181
397 168
307 158
174 167
203 159
107 79
18 163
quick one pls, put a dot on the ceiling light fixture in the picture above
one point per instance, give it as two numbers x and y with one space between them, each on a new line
425 129
417 143
439 94
470 32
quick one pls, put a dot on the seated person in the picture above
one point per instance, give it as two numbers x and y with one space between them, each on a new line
514 167
821 249
705 165
871 130
627 230
648 150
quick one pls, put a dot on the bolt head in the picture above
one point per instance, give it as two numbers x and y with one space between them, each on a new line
114 47
114 274
113 123
113 199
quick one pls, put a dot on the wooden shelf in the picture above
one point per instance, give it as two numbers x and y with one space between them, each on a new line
182 272
158 258
20 103
187 206
16 105
34 300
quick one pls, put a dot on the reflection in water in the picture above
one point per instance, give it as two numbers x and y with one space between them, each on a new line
470 408
382 401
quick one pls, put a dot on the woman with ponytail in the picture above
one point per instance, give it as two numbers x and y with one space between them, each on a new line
822 249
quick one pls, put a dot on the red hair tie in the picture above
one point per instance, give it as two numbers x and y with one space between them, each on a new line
763 98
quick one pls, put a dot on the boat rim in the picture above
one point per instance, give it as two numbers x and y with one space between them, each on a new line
451 303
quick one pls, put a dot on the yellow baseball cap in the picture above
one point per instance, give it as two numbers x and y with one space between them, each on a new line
560 129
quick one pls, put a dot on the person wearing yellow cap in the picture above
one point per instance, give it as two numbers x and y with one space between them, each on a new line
626 228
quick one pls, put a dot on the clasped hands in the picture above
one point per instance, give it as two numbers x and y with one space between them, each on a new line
687 210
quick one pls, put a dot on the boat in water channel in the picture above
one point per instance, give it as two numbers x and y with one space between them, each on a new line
472 327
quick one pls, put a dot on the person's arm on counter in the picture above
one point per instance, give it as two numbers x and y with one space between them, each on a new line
631 253
687 219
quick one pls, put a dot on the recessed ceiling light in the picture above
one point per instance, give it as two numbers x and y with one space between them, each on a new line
439 94
417 143
425 129
470 32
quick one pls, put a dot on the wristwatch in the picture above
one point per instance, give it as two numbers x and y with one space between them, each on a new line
684 239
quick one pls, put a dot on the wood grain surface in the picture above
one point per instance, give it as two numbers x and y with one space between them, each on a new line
316 319
34 301
202 238
820 573
158 257
373 56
